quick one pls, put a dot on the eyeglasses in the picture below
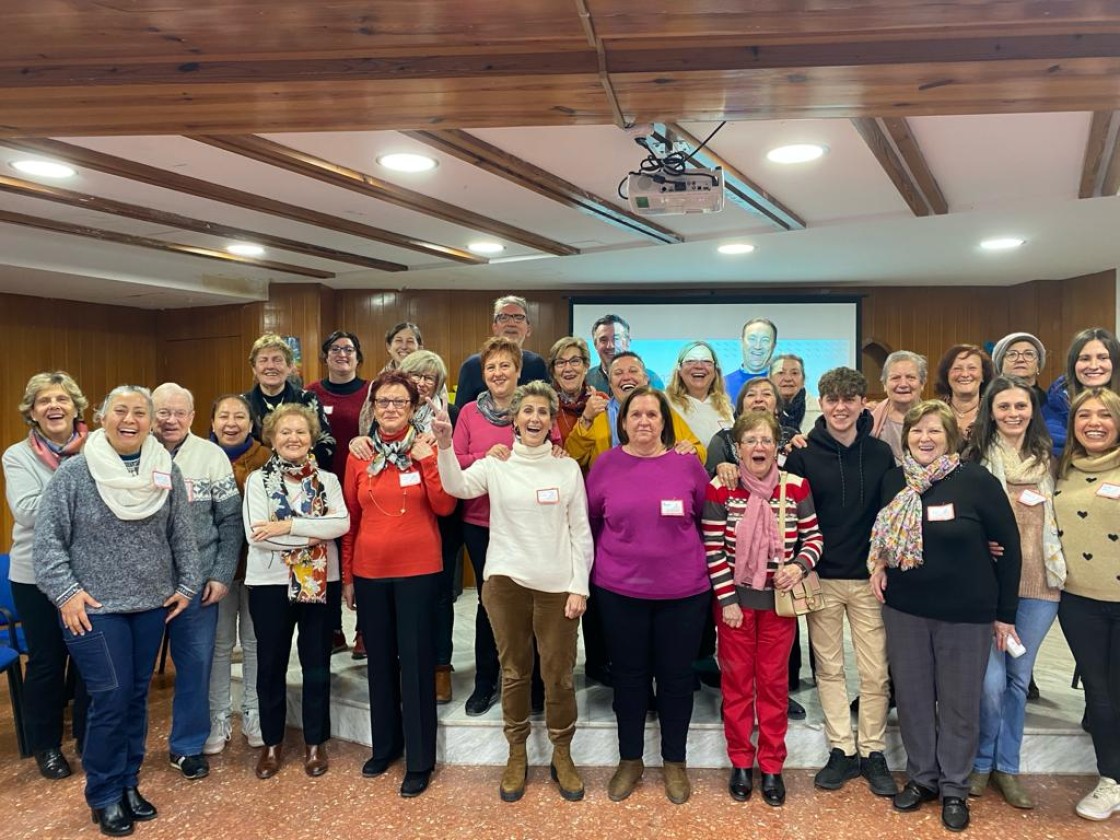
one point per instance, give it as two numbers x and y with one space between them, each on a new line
573 362
1025 355
765 441
505 318
702 363
342 351
430 378
167 414
385 402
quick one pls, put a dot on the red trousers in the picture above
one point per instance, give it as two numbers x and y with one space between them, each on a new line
754 662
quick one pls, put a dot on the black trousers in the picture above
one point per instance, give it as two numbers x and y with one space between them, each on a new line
274 620
44 684
451 541
650 639
396 617
1092 629
594 640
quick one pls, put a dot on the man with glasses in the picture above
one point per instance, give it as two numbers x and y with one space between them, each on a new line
611 335
511 320
216 510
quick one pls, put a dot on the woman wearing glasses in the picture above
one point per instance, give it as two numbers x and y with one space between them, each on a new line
1021 354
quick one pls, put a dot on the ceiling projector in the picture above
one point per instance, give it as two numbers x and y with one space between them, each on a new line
666 194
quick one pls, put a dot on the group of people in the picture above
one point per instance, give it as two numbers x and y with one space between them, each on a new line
673 525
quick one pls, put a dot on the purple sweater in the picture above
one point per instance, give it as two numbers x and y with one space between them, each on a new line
639 552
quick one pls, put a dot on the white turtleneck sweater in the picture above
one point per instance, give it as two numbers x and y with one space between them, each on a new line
540 536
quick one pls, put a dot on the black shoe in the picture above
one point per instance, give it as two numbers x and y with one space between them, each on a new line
191 766
141 809
481 699
600 674
740 784
879 779
114 820
773 789
795 711
377 766
839 769
911 797
52 764
1032 690
954 813
338 642
415 783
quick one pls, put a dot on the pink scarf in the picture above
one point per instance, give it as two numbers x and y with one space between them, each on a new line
52 456
757 537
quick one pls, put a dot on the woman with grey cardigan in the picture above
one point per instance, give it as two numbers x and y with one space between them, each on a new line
115 551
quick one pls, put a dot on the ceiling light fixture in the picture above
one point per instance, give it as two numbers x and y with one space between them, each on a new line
44 168
733 248
1002 243
796 153
407 162
245 249
486 247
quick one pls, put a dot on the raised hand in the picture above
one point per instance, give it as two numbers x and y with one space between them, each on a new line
441 428
596 405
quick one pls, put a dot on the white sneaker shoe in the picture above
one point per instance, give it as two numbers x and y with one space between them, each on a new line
1102 803
251 729
221 730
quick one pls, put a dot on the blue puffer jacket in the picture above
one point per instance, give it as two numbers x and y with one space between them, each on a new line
1056 413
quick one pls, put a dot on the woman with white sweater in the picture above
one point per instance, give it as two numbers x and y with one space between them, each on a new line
536 574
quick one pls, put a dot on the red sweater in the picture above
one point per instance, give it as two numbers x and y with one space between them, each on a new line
383 542
342 412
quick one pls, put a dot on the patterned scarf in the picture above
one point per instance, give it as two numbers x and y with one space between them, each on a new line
307 566
391 450
758 540
574 405
792 413
496 416
50 453
422 417
896 538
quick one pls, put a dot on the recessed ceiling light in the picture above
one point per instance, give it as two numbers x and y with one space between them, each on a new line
736 248
407 162
44 168
245 249
1002 243
486 247
796 153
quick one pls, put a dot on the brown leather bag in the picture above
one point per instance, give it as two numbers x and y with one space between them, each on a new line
804 597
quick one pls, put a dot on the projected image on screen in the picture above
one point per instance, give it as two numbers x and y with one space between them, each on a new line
824 334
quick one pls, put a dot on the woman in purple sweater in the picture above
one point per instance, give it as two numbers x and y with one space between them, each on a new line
645 501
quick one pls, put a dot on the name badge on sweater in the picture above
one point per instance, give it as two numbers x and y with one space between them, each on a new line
162 480
941 513
672 507
410 479
1109 491
548 496
1031 498
328 410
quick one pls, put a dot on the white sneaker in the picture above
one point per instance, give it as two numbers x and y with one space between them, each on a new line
251 729
221 730
1102 803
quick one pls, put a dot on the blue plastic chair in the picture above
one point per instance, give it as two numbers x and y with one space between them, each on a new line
10 649
9 615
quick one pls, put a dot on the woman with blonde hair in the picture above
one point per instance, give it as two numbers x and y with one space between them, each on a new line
698 393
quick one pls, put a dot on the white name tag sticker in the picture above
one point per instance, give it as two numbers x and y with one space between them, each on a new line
941 513
1109 491
1031 498
328 409
162 480
548 496
410 479
672 507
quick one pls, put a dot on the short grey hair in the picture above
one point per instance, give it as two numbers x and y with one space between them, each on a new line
512 300
776 362
53 379
906 356
123 391
425 361
536 388
172 389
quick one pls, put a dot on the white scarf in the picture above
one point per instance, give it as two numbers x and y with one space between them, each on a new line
129 497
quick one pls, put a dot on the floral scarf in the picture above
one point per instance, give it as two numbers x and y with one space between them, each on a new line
51 454
758 540
494 415
392 450
307 565
896 539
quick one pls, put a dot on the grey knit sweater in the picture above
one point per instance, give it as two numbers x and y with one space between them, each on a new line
128 566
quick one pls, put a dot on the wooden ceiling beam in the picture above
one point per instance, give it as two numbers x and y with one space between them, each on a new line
324 171
920 173
84 201
1101 155
496 161
116 238
879 144
111 165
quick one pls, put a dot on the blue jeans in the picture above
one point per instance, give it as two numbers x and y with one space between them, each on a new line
1004 702
192 634
116 659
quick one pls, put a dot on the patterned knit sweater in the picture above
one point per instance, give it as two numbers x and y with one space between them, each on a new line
1089 525
215 506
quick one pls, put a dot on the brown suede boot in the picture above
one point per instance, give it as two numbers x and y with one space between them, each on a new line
443 684
512 787
565 774
625 779
1012 790
677 786
978 782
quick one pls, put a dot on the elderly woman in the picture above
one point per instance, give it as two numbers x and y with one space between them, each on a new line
229 428
697 391
759 536
536 573
645 500
962 374
904 376
401 340
1089 487
757 395
800 409
1093 361
115 551
1010 439
1023 355
945 595
52 406
568 362
293 514
391 565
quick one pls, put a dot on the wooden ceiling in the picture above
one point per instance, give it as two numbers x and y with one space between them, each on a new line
81 67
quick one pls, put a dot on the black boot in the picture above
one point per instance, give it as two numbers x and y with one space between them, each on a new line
141 809
114 820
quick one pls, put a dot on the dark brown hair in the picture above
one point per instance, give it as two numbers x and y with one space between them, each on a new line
668 436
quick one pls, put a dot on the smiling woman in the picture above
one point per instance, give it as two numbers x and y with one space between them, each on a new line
1093 361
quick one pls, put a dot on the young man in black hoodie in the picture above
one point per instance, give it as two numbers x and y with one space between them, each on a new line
845 466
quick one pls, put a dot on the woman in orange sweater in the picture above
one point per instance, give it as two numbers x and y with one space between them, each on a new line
391 564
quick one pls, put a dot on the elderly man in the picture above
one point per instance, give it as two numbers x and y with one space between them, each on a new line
216 512
759 339
511 320
611 335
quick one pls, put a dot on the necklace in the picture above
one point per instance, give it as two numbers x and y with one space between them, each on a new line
373 499
963 414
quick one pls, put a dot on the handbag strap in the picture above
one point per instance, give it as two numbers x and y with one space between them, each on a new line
782 513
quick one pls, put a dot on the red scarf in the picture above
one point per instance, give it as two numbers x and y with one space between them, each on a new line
53 457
